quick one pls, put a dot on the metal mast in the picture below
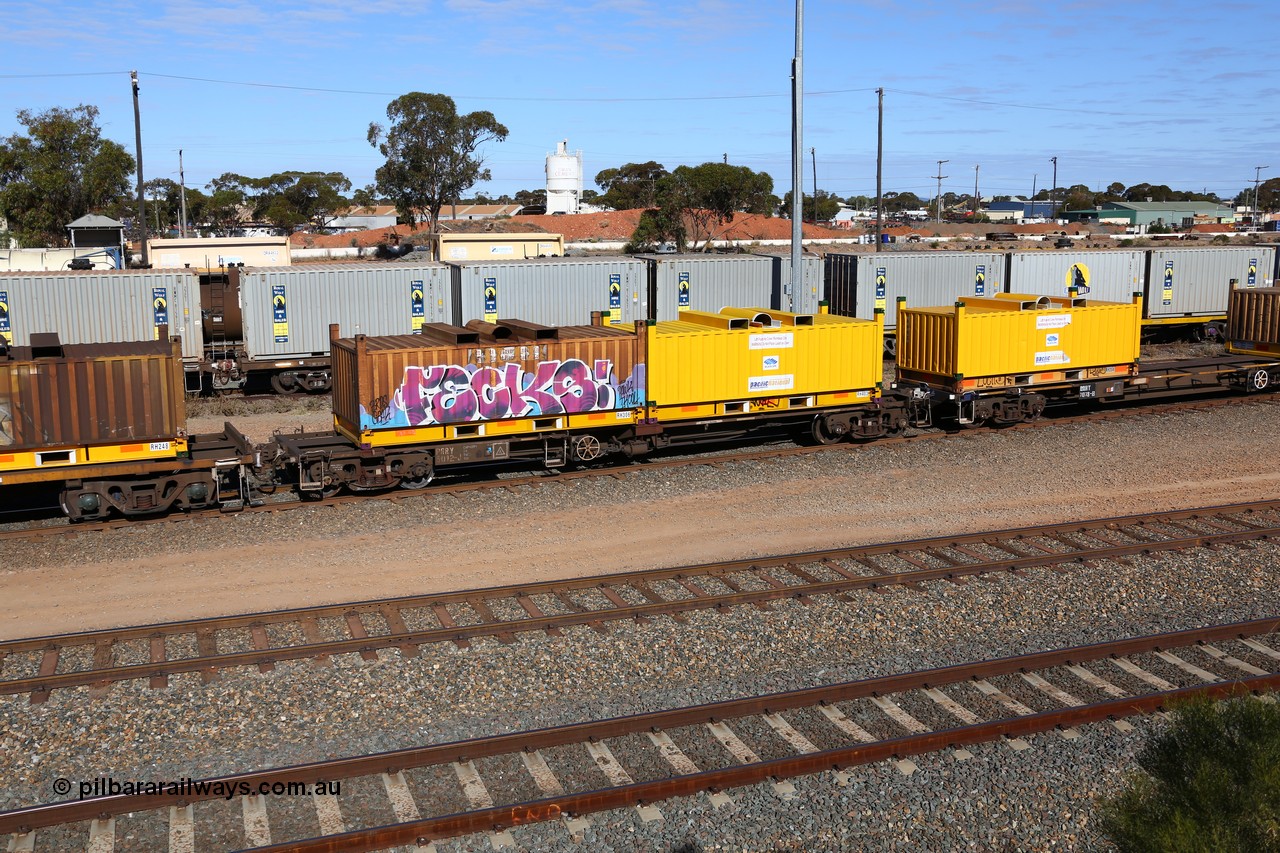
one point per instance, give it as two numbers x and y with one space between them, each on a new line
797 156
142 207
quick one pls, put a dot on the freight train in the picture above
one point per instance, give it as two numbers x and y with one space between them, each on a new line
107 423
266 328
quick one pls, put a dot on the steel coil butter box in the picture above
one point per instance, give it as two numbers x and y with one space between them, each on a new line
1011 334
55 396
452 382
749 358
1253 321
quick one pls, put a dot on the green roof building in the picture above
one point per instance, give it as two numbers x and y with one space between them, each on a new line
1175 214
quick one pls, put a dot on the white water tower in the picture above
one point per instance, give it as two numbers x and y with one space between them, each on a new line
564 180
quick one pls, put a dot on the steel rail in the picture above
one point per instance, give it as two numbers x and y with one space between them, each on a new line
641 793
53 814
366 644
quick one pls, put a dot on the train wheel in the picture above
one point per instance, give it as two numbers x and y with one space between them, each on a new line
586 448
318 472
418 477
822 435
282 384
1259 380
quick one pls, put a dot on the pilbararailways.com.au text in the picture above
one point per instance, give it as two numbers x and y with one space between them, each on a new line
107 786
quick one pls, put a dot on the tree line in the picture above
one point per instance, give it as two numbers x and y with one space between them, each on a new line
62 168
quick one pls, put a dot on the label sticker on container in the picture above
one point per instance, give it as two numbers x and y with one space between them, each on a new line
1053 321
160 308
1078 277
1167 295
6 334
980 280
1052 357
881 280
615 298
771 383
157 446
770 362
1051 340
1253 272
491 300
772 340
682 300
417 307
279 314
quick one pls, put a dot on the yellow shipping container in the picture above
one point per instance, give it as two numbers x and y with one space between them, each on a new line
745 360
1017 339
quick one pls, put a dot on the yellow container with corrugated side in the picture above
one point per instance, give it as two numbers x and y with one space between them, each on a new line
1017 339
748 360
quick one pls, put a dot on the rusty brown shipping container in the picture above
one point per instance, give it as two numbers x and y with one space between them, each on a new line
90 394
480 379
1253 320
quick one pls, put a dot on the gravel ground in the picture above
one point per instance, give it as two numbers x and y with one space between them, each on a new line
1037 799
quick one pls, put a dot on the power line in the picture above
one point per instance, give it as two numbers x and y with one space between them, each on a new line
464 97
70 74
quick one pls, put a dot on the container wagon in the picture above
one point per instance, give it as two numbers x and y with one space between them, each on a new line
407 407
108 422
1004 358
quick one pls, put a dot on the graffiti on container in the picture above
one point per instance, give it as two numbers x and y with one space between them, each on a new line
451 393
380 409
766 403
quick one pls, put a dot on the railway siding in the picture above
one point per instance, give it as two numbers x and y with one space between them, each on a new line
898 736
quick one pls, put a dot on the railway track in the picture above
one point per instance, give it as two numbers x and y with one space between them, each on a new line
60 526
96 659
420 794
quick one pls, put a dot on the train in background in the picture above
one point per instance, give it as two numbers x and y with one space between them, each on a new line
105 424
247 328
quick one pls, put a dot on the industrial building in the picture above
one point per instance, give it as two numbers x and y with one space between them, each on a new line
1143 214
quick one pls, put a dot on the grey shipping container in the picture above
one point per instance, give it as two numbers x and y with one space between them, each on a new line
1113 275
103 307
857 284
707 283
551 291
287 310
801 300
1197 282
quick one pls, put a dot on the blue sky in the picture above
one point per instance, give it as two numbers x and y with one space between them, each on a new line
1180 93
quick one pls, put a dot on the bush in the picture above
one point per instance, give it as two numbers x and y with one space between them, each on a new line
1210 782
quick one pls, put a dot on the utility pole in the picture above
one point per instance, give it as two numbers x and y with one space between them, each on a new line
879 168
797 156
726 158
142 207
813 157
1257 180
938 199
182 182
975 192
1053 191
